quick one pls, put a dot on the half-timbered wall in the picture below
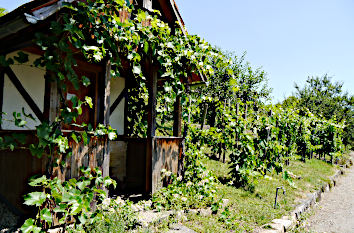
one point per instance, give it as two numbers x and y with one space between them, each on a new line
32 79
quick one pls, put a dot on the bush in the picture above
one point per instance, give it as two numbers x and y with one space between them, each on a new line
74 204
117 216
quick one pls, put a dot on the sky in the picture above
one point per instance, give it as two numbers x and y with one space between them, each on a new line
289 39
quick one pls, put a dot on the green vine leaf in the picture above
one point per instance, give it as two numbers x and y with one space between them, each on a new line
35 198
136 69
46 215
40 181
29 226
85 81
21 57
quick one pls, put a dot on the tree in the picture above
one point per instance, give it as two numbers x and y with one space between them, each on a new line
234 81
327 99
3 11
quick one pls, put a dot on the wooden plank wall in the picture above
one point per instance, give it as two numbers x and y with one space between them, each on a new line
166 156
16 167
91 155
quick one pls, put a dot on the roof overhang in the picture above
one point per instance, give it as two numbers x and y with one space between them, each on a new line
36 11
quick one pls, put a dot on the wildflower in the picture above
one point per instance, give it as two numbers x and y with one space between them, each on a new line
135 208
179 178
119 201
205 173
184 199
106 202
175 195
168 173
148 204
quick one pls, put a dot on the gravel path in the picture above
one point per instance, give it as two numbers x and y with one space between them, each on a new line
335 212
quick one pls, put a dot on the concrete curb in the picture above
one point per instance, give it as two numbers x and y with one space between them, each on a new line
286 223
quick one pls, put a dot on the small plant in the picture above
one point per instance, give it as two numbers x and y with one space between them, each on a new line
117 216
196 189
72 204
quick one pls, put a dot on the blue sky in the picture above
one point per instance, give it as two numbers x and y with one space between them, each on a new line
290 39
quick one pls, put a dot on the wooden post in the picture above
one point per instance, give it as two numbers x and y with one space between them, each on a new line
51 111
106 115
237 112
128 87
107 93
152 89
151 76
245 114
177 118
54 101
205 111
189 108
2 77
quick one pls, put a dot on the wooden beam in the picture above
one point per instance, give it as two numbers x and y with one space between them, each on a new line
2 76
205 111
24 37
152 89
107 93
106 115
126 106
246 112
117 101
24 93
177 118
151 73
54 102
47 87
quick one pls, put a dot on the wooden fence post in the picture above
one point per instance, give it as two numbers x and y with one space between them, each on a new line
106 110
205 111
151 74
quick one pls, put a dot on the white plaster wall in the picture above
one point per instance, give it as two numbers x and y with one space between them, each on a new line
32 79
117 117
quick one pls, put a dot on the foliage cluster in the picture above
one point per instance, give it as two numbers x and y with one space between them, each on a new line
130 41
3 11
74 202
267 140
117 216
327 99
258 137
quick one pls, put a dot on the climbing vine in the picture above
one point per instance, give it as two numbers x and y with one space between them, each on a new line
133 43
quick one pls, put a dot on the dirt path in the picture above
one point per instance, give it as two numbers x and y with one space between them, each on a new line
335 212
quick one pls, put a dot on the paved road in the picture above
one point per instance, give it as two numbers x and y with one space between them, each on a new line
335 212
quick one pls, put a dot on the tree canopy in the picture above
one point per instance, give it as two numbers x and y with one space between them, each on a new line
3 11
326 98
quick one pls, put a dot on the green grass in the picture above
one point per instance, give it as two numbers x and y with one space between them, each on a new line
248 211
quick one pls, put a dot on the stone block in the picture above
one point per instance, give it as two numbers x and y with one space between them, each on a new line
284 222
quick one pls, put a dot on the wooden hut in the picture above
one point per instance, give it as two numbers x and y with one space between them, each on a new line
135 162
